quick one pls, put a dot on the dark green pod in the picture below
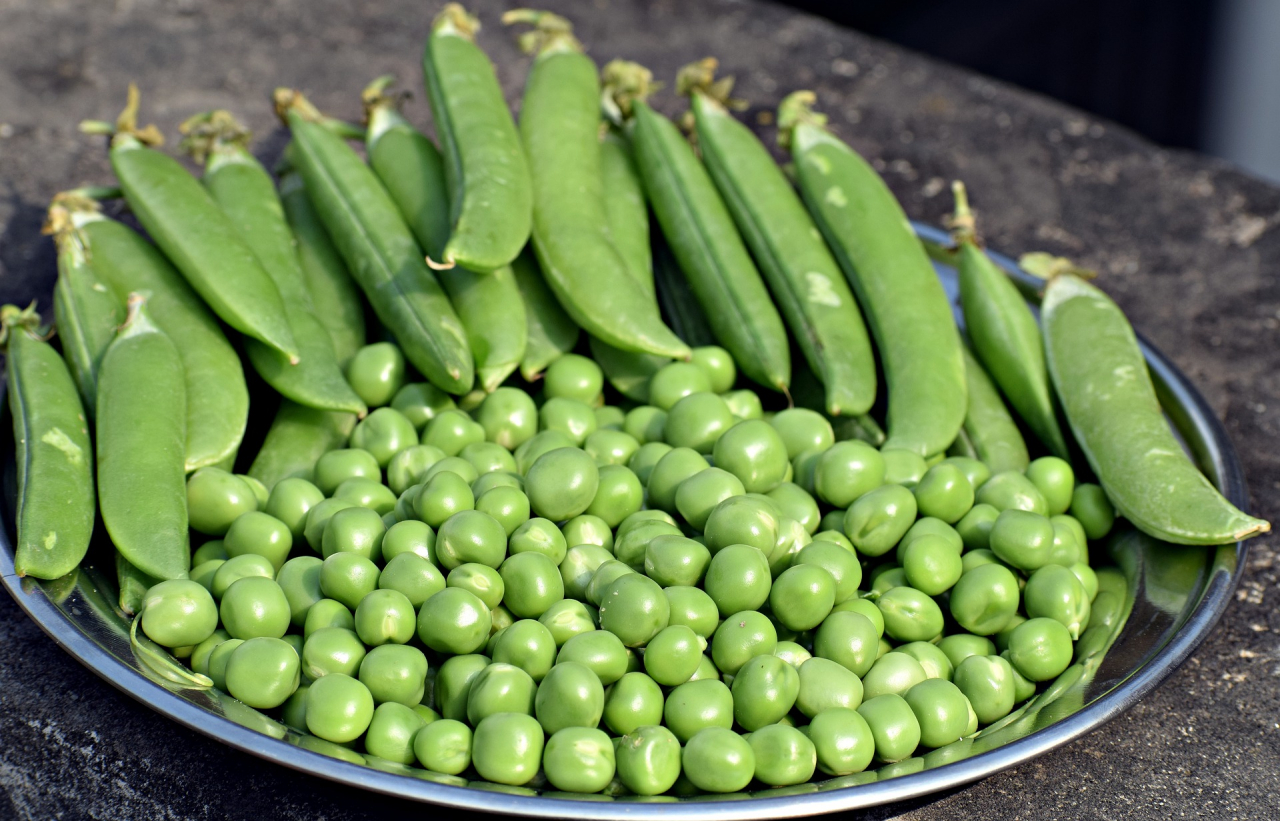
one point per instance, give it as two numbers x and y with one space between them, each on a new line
550 332
85 312
988 427
298 437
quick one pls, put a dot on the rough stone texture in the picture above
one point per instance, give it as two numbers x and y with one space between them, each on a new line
1188 246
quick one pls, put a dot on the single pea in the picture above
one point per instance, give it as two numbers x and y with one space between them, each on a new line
673 655
697 421
909 614
942 711
802 429
259 534
1023 688
290 501
588 529
784 755
933 661
804 468
843 741
203 650
354 530
674 468
385 617
391 733
960 646
454 621
648 760
262 672
903 467
327 613
395 672
339 708
610 447
562 483
444 746
487 457
974 470
495 479
693 608
802 596
795 503
409 536
698 495
573 418
944 493
894 726
579 760
825 685
641 517
254 607
892 673
451 431
453 464
384 433
718 760
1022 539
764 691
634 609
471 536
985 599
1054 592
744 403
331 650
1088 579
1012 490
368 493
718 366
1040 649
571 695
610 417
864 607
543 442
645 424
532 584
834 534
885 577
987 681
573 377
453 682
742 520
218 659
849 639
977 558
499 688
754 452
634 701
337 466
376 372
529 645
599 651
299 578
568 618
209 551
420 402
215 499
579 565
975 527
877 520
1055 480
538 535
707 670
839 563
737 579
1064 520
643 461
741 637
179 613
675 381
697 705
672 560
348 577
618 495
508 417
507 748
441 497
931 565
1091 507
605 575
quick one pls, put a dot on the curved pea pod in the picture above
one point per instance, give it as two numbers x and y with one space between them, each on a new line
1003 331
413 173
628 372
625 207
903 300
85 310
710 251
217 397
679 305
805 279
204 246
490 195
560 126
133 585
335 297
244 191
550 333
379 249
988 428
54 509
1110 402
141 430
296 440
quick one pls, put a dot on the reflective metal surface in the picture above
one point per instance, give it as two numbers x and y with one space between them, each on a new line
1161 602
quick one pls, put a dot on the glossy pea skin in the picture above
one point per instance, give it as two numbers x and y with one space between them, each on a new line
944 492
802 429
588 529
645 424
1055 480
894 726
409 536
337 466
470 536
420 402
849 639
290 501
1040 649
741 637
674 382
634 609
611 447
697 705
444 746
698 495
299 578
903 467
571 695
339 709
532 584
329 650
395 672
369 493
672 560
384 433
1012 489
975 527
618 495
692 607
391 732
215 499
802 596
253 607
933 661
562 483
574 419
508 417
672 470
508 506
738 579
454 621
632 702
960 646
579 759
538 535
892 673
1091 507
262 672
941 710
356 530
566 619
348 577
985 599
764 690
499 688
929 526
327 613
987 681
931 565
648 760
783 754
579 564
178 613
673 655
697 421
840 563
910 615
1022 539
1054 592
827 685
846 471
843 741
877 520
385 617
376 372
451 431
742 520
487 457
529 645
718 760
573 377
453 680
506 748
754 452
599 651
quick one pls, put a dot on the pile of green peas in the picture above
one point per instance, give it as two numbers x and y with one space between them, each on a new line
688 596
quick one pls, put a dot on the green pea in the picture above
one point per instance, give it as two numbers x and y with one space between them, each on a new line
209 551
1012 490
960 646
784 755
648 760
384 433
215 499
643 461
568 618
203 650
877 520
941 710
454 621
634 701
931 565
444 746
395 672
764 691
495 479
975 527
262 672
471 536
588 529
538 535
826 685
532 584
367 493
754 452
506 748
634 609
802 596
337 466
328 613
544 442
573 418
290 501
944 493
834 535
632 542
376 372
618 495
718 760
354 530
985 599
599 651
499 688
738 578
892 673
795 503
573 377
865 607
329 650
645 424
605 575
339 708
698 495
252 607
611 447
179 613
453 682
391 733
1088 579
441 497
933 661
561 484
1054 592
673 655
579 564
487 457
1002 638
977 558
887 576
409 536
849 639
893 725
1071 523
508 506
741 637
974 470
385 616
987 681
697 421
348 577
318 518
508 417
571 695
693 608
718 366
745 404
579 760
675 381
299 578
903 467
1040 649
610 418
672 560
674 468
420 402
742 520
453 464
841 564
451 431
1090 505
696 706
1022 539
259 534
801 429
218 659
843 741
909 614
529 645
706 671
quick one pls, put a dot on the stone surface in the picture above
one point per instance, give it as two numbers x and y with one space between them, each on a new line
1188 246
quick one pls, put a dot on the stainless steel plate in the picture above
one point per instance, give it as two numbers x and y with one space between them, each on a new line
1175 595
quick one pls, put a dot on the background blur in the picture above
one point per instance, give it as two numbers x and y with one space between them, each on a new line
1199 74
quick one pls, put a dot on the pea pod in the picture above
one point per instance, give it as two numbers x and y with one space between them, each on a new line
560 126
710 252
677 300
1005 335
54 509
988 427
244 191
550 332
625 207
628 372
904 302
141 428
187 224
133 584
379 248
414 175
1102 380
85 310
805 279
335 297
217 397
298 437
490 196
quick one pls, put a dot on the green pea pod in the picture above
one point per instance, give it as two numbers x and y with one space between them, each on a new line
988 427
679 305
904 302
625 207
54 508
298 437
560 125
85 310
244 191
806 280
628 372
1106 391
133 584
1004 333
334 295
217 397
141 430
710 251
490 193
550 332
414 175
379 249
201 241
